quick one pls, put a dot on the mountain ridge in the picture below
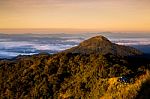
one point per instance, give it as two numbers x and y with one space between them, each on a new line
100 44
75 76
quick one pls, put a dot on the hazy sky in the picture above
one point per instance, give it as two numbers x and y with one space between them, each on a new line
96 15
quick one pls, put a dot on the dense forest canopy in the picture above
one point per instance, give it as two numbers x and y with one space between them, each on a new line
73 74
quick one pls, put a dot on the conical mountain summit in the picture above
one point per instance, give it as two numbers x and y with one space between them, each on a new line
100 44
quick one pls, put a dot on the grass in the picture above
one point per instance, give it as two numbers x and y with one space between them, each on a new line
118 90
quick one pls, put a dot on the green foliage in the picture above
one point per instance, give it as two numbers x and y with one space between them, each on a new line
59 76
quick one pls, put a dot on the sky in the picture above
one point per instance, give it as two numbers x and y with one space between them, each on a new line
75 15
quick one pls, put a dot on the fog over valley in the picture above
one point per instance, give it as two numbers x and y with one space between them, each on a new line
12 45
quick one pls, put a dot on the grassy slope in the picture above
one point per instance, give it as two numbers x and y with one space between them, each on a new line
117 90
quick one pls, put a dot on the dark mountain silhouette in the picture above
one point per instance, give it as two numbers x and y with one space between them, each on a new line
100 44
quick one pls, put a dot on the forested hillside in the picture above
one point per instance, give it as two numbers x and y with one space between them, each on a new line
69 75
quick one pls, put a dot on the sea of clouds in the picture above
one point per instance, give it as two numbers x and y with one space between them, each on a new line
29 44
14 45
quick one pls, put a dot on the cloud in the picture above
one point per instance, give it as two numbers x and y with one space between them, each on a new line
132 41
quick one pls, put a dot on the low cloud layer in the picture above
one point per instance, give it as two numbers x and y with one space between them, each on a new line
13 45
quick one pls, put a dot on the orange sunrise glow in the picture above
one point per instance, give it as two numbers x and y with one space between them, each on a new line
90 15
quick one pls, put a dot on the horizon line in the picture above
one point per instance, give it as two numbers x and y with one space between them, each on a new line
64 30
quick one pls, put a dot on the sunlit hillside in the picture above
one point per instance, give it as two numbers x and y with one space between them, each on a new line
69 75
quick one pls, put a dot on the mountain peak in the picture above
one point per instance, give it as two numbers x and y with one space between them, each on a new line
100 44
100 37
95 41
